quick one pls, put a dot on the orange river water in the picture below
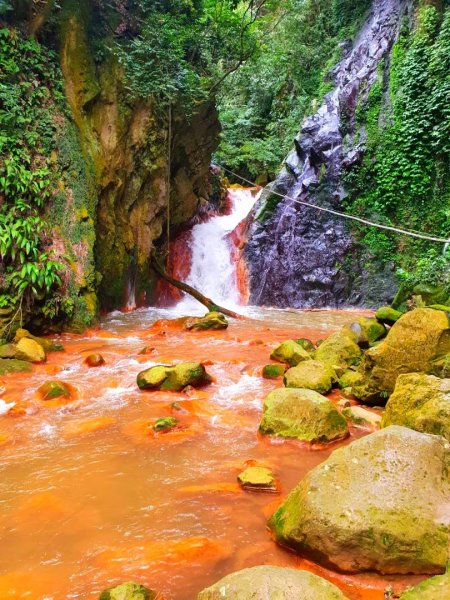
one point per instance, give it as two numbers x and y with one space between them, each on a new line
90 497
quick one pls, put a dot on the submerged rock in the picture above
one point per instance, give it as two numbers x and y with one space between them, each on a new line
273 371
12 365
415 343
33 351
420 402
378 504
311 375
339 350
388 315
302 414
291 353
436 588
257 477
173 378
94 360
128 591
165 423
54 389
212 320
277 583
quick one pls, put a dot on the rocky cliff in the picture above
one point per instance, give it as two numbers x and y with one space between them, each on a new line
301 257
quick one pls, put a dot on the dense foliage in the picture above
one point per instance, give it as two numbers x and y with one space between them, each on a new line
405 175
263 104
28 82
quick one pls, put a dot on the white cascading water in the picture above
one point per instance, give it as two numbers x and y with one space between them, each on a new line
212 268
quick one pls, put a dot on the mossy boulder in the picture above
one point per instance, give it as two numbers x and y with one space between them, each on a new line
48 344
277 583
306 344
173 378
12 365
302 414
54 389
128 591
311 375
378 504
368 331
258 478
212 320
421 402
11 351
349 378
165 423
273 371
339 350
33 351
388 315
290 353
435 588
415 343
361 416
429 295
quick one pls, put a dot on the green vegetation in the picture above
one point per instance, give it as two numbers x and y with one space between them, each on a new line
405 175
29 82
264 103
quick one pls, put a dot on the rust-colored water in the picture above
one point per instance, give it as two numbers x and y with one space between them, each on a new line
90 497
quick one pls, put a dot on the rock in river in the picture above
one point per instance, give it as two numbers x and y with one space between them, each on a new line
339 350
212 320
436 588
291 353
302 414
128 591
266 582
417 342
421 402
380 503
311 375
173 378
33 351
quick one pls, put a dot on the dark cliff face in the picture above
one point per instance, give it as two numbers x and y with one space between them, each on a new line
301 257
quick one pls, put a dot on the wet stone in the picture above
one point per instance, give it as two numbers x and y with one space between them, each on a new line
260 478
128 591
291 353
273 371
94 360
165 423
12 365
54 389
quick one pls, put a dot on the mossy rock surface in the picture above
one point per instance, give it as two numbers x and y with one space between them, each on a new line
361 416
378 504
48 344
11 365
415 343
302 414
257 477
428 293
173 378
388 315
54 389
349 379
94 360
435 588
442 307
165 423
128 591
311 375
290 353
11 351
212 320
308 345
339 350
33 351
273 371
368 331
277 583
421 402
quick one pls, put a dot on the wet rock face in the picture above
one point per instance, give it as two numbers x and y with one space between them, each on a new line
261 583
296 255
379 504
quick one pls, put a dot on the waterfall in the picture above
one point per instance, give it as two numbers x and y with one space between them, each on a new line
213 268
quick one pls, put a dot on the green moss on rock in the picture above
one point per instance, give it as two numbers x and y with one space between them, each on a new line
212 320
311 375
273 371
12 365
291 353
302 414
128 591
339 350
435 588
388 315
173 378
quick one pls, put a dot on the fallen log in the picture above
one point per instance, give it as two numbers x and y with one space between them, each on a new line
210 304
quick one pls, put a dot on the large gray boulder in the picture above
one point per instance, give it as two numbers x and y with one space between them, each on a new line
271 583
380 504
421 402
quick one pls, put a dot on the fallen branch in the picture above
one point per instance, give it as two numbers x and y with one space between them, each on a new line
210 304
